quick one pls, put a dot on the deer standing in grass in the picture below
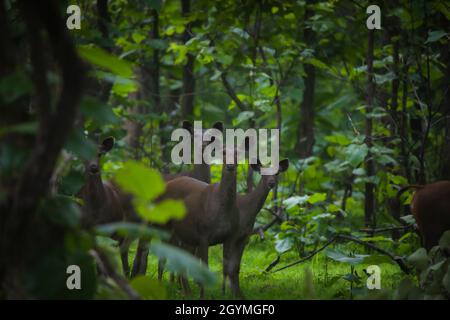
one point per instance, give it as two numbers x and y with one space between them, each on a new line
212 212
201 172
430 206
249 206
105 202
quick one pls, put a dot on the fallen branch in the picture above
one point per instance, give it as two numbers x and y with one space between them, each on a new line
387 229
309 256
397 259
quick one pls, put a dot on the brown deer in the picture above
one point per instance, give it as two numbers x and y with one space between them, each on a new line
104 201
201 172
212 212
431 209
249 206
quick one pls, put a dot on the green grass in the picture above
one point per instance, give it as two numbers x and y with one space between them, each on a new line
318 278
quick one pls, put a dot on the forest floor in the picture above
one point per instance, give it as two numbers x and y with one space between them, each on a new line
318 278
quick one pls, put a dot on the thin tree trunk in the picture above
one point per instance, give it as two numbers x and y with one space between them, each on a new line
305 133
187 97
147 75
445 59
369 209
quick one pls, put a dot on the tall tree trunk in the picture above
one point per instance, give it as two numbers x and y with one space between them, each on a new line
24 234
187 97
147 76
305 133
445 59
369 208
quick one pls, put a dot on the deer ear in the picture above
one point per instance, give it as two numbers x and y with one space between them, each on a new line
284 165
107 144
188 126
218 125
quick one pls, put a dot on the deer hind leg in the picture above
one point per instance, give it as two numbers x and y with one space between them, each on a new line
140 260
161 265
124 247
183 280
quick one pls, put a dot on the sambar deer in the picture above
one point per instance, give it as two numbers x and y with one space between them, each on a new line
212 212
104 201
430 206
249 206
201 172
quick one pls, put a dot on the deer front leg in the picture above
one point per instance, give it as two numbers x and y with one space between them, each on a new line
227 249
234 253
202 252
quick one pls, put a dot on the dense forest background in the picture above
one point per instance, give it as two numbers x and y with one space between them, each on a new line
361 113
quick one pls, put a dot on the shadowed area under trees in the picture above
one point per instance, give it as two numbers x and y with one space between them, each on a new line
86 170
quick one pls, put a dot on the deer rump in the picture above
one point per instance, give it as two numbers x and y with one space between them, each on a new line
430 207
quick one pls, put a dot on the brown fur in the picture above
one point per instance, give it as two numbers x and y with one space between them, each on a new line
431 209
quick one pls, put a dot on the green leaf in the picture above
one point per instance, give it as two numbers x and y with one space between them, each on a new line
161 212
317 63
182 263
339 139
419 259
444 242
352 278
243 116
80 145
317 197
356 153
105 60
100 112
132 230
142 182
383 78
446 280
294 201
148 288
436 35
283 245
61 210
341 257
137 37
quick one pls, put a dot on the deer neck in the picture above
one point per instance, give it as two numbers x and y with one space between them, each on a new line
202 172
252 203
95 194
227 188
